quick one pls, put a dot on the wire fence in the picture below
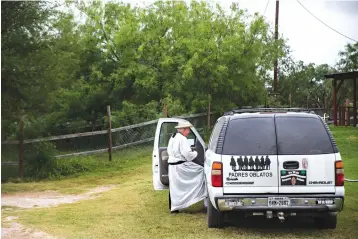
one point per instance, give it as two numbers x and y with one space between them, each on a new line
125 140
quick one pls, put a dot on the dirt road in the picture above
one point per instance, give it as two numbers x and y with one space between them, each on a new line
12 229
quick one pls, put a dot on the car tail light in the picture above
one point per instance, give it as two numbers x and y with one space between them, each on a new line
217 174
339 173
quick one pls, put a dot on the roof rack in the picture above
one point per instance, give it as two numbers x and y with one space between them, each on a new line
268 110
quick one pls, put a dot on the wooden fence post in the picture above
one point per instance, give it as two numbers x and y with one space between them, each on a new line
347 116
209 111
341 117
109 133
21 148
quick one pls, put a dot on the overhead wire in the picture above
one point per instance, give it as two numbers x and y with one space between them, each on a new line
346 179
325 23
266 7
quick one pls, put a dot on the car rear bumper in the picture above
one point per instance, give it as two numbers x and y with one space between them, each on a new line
298 203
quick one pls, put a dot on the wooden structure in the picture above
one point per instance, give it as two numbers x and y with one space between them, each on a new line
340 78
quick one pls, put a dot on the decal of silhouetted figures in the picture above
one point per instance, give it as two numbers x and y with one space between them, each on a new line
262 162
233 163
257 163
250 164
246 163
267 163
240 162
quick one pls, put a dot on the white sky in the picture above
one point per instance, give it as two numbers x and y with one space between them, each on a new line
309 39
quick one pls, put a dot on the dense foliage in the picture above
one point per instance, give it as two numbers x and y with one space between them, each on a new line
61 67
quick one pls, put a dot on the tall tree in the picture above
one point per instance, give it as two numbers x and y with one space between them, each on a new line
64 70
348 62
23 35
303 85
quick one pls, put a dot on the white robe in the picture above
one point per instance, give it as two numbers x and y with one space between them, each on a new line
187 183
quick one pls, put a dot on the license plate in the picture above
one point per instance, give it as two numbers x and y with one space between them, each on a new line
278 202
234 203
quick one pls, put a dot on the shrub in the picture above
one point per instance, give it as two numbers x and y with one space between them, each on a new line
41 163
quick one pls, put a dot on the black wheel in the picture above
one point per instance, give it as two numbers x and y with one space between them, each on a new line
215 218
327 222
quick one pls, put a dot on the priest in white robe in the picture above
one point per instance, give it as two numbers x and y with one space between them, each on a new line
187 184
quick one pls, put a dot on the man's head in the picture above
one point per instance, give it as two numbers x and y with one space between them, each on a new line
184 128
184 131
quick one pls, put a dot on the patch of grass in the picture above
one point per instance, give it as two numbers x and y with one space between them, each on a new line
347 140
135 210
102 172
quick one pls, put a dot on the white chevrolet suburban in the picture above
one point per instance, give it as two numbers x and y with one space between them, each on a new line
264 164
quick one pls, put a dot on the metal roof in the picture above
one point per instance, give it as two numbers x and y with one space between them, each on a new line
343 76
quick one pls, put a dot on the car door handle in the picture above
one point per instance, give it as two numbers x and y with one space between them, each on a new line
291 165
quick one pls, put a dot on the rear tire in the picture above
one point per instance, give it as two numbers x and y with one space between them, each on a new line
327 222
215 217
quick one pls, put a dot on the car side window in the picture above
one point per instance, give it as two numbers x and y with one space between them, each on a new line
215 135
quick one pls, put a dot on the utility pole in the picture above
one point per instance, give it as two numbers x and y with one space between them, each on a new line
276 38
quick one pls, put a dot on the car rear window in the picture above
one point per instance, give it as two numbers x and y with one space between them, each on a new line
302 136
250 136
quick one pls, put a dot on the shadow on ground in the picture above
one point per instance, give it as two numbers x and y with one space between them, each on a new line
262 224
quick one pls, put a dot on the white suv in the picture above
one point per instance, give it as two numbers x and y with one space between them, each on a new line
264 164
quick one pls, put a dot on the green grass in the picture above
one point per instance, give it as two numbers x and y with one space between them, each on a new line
103 172
135 210
347 140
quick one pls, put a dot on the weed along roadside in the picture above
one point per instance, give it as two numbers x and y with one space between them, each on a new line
133 210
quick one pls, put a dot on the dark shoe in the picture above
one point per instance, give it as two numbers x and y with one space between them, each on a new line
176 211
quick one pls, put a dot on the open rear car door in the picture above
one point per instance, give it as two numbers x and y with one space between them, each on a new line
165 129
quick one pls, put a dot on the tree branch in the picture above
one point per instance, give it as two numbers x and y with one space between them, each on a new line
106 38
